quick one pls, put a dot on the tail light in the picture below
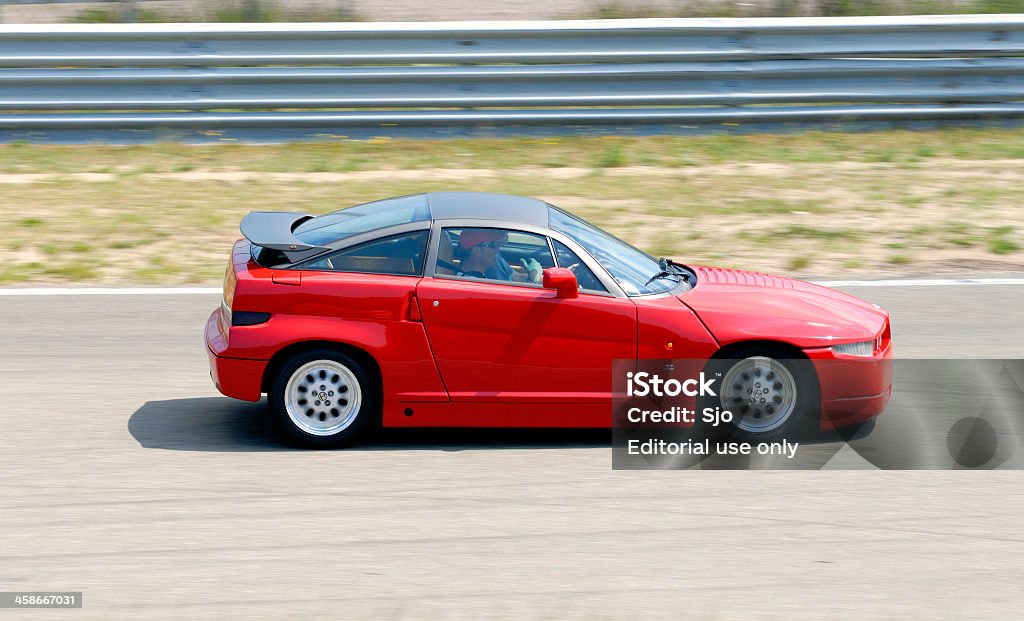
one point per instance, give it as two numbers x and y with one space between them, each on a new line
230 282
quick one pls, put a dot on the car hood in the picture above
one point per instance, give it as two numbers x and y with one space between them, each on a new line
736 306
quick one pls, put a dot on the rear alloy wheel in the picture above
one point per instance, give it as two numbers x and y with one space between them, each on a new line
770 396
323 399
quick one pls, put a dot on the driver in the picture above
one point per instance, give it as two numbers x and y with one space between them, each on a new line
481 249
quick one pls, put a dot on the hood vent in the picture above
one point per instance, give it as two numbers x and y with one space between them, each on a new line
739 277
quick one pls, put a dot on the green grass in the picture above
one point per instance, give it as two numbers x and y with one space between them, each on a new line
611 157
801 231
890 147
1000 245
999 241
793 202
911 201
799 263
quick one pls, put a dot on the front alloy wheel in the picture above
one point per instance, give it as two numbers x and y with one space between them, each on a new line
761 392
772 394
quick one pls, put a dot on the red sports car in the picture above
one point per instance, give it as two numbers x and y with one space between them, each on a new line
456 309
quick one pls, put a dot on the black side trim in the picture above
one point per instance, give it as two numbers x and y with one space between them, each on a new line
248 318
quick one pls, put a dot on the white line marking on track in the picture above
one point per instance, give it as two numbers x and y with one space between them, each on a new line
111 291
919 282
895 282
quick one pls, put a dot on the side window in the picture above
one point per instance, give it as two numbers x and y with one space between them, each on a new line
584 275
493 254
401 255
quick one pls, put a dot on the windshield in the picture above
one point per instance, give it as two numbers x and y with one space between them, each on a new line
337 225
633 269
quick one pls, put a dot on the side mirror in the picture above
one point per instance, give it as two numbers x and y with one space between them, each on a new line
563 281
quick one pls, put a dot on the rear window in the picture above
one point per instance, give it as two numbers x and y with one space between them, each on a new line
401 255
337 225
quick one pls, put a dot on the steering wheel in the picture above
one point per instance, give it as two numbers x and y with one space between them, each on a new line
585 278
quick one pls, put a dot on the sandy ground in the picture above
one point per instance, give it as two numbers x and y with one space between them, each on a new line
805 218
948 168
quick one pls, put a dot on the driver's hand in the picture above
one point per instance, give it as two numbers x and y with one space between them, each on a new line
572 268
533 268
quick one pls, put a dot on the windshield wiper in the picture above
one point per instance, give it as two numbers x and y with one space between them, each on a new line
665 270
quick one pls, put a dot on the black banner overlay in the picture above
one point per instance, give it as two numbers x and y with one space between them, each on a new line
800 414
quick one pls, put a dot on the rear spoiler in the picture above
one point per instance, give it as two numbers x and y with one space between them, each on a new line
273 230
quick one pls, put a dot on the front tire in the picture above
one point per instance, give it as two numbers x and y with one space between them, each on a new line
772 394
323 399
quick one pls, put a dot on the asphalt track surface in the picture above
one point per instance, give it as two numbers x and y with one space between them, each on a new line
125 476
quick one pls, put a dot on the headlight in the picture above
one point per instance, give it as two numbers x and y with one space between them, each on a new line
863 348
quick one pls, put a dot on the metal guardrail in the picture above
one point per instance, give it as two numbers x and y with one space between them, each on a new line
620 71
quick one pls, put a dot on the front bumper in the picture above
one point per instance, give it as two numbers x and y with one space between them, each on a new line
238 378
853 389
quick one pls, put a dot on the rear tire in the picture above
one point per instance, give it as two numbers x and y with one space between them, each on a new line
323 399
772 394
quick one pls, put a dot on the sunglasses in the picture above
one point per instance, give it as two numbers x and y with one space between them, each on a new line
489 244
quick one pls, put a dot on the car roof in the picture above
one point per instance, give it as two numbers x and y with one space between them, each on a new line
487 206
